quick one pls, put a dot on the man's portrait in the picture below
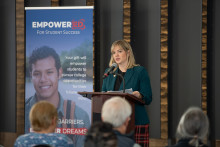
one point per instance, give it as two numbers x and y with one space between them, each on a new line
45 71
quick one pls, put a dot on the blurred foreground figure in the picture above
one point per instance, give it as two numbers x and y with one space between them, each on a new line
101 135
117 111
43 119
192 129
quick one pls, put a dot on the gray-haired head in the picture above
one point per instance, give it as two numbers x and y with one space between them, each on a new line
193 124
115 111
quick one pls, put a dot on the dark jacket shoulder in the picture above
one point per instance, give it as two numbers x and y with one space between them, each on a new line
124 140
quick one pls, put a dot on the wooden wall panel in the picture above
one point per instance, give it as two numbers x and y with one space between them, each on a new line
20 65
55 3
204 55
164 68
127 20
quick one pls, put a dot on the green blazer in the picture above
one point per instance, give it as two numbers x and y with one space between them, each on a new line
136 78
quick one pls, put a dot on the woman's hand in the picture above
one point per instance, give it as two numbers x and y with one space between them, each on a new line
137 94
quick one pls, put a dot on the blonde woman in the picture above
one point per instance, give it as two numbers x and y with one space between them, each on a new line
136 77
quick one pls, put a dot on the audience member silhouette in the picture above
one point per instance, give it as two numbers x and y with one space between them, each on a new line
192 128
43 118
117 111
100 135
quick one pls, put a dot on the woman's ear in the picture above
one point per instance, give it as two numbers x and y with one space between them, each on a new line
128 53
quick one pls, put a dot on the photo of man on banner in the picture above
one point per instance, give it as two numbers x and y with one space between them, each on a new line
45 71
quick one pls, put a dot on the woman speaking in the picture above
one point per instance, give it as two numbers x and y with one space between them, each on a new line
137 79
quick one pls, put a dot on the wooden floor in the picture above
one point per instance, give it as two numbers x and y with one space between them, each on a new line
164 143
158 142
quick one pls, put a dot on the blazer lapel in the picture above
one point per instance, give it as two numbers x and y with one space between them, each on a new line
129 73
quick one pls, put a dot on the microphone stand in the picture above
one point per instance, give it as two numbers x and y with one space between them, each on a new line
123 80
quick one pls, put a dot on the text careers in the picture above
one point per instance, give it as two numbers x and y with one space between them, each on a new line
80 24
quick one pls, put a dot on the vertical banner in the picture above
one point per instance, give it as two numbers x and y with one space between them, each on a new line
59 63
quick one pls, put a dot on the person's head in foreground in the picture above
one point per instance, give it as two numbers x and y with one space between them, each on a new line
193 125
43 117
117 111
100 134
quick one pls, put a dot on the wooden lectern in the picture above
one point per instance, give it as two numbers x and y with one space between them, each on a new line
98 99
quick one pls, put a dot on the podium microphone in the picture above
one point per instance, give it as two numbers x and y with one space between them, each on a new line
110 70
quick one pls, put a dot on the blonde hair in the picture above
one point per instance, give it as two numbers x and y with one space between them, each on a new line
127 48
193 124
41 115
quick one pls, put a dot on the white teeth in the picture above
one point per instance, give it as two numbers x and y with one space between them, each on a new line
45 87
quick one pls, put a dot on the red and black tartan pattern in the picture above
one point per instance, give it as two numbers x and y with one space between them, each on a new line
142 135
